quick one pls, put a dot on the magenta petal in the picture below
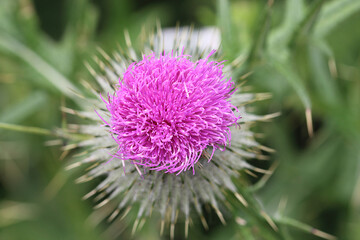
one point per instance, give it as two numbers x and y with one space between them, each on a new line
167 110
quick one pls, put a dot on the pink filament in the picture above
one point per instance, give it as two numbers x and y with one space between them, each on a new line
167 110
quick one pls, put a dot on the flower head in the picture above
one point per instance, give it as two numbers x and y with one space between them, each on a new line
168 109
166 113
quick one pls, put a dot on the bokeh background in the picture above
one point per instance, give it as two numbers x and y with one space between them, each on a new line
306 53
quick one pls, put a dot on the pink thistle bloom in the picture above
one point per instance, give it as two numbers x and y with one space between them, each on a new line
167 110
169 113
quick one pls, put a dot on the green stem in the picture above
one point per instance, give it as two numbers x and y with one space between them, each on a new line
42 131
18 128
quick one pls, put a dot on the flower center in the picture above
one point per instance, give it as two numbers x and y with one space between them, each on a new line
161 134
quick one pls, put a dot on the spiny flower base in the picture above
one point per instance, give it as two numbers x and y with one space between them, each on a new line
112 145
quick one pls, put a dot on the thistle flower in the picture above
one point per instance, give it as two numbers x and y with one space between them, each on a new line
167 110
169 130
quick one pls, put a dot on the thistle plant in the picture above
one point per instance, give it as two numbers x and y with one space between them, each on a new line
169 130
305 53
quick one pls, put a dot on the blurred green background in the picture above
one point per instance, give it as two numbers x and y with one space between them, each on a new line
305 53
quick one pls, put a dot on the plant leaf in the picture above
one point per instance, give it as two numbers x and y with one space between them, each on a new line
333 13
305 27
16 113
260 35
228 32
41 66
279 38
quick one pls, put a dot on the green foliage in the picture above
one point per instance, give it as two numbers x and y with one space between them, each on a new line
305 53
